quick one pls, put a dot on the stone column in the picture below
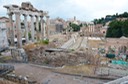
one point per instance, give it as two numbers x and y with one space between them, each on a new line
11 30
94 28
18 29
37 28
42 27
26 28
37 23
89 28
47 26
32 28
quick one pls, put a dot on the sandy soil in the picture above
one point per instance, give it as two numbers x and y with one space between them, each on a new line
46 76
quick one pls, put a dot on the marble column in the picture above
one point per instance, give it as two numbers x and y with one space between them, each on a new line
37 28
89 28
47 26
93 28
26 28
11 30
42 27
37 23
32 28
18 30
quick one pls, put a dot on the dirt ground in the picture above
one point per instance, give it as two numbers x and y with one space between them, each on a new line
45 75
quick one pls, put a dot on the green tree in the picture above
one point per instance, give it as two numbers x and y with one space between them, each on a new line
115 29
75 27
81 25
125 28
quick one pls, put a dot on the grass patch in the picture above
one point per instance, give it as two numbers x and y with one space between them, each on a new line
94 43
78 69
42 42
5 59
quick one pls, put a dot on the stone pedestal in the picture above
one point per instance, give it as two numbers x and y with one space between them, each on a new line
19 55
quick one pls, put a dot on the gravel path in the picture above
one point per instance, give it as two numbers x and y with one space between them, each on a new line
46 76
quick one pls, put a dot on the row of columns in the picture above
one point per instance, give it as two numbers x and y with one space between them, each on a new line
18 28
91 28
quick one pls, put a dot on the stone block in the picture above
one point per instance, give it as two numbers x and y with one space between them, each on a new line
19 55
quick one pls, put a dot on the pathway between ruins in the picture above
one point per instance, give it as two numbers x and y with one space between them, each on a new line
46 76
75 42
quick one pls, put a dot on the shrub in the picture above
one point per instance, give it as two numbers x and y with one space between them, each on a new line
29 35
45 41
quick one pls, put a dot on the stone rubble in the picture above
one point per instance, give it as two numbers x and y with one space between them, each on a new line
57 58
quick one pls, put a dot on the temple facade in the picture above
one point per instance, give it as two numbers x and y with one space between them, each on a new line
27 10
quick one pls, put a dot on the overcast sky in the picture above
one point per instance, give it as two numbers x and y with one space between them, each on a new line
85 10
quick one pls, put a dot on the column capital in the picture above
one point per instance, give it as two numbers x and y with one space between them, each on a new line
25 15
17 13
10 13
37 16
41 16
31 15
47 16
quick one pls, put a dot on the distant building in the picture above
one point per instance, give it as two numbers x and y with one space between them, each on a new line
103 30
57 25
74 20
121 19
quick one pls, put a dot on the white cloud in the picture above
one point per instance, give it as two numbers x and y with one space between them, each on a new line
82 9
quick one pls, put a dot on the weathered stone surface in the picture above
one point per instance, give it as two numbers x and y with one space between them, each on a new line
19 55
3 39
27 5
26 9
40 56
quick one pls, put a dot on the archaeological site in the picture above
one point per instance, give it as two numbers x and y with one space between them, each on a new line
38 49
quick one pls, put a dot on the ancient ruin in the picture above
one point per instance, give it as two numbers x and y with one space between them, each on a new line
26 9
56 51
